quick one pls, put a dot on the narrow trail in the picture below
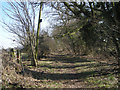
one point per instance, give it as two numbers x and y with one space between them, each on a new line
64 71
69 72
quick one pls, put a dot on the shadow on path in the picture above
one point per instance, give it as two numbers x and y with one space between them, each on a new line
66 59
65 76
59 76
65 66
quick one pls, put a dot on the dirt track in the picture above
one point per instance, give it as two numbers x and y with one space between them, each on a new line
61 71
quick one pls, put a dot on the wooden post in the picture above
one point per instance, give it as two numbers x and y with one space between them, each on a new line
18 56
12 53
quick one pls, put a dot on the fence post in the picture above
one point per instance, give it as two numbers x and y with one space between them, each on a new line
18 56
12 53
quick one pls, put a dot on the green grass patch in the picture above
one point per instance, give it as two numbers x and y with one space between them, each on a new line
108 81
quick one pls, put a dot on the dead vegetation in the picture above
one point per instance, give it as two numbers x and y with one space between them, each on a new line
60 71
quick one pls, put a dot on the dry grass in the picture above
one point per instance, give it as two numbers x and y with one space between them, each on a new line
59 71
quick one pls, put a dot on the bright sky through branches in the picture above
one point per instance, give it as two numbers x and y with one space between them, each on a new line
6 38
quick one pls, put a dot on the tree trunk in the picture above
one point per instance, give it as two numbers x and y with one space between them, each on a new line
33 61
38 30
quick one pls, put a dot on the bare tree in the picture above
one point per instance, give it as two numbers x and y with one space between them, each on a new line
23 16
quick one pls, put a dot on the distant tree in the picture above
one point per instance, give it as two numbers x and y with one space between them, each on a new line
43 48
